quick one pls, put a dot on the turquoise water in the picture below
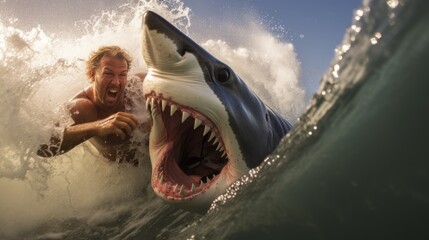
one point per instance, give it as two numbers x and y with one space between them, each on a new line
354 167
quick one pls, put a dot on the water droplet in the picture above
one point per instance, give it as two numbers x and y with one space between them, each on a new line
359 12
346 47
377 35
392 3
356 28
336 67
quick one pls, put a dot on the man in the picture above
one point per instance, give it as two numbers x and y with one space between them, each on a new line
99 110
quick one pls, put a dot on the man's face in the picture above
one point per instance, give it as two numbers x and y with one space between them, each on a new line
110 79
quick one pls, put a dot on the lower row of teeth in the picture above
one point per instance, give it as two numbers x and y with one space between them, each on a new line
181 189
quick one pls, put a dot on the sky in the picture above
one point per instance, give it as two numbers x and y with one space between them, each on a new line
314 27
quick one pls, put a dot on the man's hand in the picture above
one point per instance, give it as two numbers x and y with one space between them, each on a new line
121 124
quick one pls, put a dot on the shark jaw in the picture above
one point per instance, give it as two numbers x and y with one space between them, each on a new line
194 153
208 127
188 154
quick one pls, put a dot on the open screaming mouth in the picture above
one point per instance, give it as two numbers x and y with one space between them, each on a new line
112 93
191 152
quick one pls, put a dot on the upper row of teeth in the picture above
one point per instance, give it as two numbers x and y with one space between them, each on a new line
150 105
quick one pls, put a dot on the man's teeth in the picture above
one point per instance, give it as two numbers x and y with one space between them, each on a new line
152 103
113 90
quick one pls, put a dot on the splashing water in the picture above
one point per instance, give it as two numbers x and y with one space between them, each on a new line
79 195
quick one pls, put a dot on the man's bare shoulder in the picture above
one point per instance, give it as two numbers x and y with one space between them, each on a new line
82 108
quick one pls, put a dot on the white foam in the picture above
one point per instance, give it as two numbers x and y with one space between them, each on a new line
39 71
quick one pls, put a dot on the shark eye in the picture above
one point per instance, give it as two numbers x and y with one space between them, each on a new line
223 75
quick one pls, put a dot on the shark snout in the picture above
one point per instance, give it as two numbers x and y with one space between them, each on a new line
163 43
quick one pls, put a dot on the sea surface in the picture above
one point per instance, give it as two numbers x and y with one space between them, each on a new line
355 166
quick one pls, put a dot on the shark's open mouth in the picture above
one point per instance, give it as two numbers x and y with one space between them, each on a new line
191 154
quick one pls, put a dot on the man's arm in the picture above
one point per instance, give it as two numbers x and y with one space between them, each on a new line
87 126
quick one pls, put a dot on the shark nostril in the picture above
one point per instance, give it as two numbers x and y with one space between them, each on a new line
181 51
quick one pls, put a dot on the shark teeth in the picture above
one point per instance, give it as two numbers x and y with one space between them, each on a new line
173 109
164 104
205 126
185 116
197 123
206 130
180 190
211 137
153 102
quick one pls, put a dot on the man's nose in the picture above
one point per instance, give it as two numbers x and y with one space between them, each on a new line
116 79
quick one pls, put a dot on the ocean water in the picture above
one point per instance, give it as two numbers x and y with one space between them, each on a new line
355 166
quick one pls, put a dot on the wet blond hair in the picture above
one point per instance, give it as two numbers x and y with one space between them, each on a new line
114 51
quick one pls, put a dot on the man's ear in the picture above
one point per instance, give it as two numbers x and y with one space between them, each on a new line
91 75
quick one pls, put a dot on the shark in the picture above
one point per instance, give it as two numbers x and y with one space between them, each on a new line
209 128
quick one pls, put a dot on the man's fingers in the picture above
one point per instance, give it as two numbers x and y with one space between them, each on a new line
124 126
120 123
129 119
120 133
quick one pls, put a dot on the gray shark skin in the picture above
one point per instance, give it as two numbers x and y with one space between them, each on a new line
184 76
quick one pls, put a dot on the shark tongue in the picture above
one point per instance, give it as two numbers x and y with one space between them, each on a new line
176 175
195 178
